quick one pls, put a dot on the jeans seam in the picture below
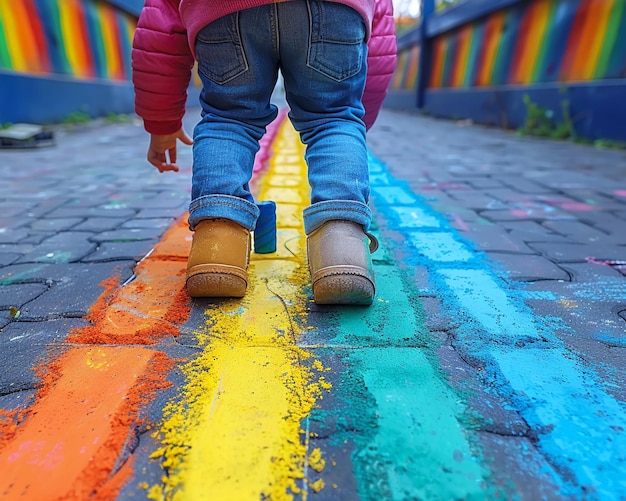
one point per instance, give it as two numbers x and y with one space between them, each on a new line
275 24
195 207
314 210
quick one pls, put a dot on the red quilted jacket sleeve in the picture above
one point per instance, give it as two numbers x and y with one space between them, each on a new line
381 60
162 63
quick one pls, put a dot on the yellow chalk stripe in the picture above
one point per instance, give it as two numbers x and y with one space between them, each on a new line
235 432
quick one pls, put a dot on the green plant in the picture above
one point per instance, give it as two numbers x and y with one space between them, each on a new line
7 125
609 144
540 121
76 118
117 118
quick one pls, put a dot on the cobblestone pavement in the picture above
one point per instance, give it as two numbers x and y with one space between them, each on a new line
550 216
492 363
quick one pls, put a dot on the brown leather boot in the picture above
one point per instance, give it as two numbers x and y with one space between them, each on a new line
219 258
340 263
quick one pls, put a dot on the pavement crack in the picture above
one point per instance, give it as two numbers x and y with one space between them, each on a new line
503 432
20 389
292 333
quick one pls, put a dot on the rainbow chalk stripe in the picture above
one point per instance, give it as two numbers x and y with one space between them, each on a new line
81 38
532 42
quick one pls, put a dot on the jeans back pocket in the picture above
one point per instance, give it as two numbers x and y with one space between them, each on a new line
337 40
219 50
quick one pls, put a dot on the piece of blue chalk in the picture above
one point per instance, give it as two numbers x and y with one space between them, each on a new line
265 230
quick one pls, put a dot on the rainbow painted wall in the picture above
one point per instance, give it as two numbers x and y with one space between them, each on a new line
528 43
524 46
82 39
60 57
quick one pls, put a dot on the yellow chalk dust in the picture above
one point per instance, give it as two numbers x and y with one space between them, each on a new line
235 430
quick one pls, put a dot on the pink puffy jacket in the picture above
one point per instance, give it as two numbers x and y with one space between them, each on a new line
162 55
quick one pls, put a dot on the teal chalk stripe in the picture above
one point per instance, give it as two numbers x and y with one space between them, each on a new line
580 425
380 325
419 438
418 448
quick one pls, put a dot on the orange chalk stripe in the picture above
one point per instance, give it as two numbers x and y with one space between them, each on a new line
68 444
74 430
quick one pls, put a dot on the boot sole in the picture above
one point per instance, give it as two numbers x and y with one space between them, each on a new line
216 281
344 289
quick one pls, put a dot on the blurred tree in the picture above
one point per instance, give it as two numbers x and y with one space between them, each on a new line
411 8
407 8
444 4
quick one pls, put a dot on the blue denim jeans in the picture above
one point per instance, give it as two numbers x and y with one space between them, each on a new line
320 49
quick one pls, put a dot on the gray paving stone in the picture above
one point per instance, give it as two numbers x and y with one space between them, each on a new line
73 293
485 183
43 208
524 185
166 200
594 198
116 251
571 252
510 196
18 294
519 468
85 198
12 236
528 268
160 213
10 223
159 223
99 224
24 346
64 247
105 211
439 198
580 232
531 231
11 210
478 200
78 273
5 319
491 413
590 272
54 225
526 213
15 248
604 221
436 320
127 235
17 400
8 258
35 238
495 238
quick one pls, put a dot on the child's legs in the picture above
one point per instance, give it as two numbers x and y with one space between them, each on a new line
323 60
238 67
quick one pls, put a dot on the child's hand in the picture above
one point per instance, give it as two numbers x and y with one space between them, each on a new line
162 146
